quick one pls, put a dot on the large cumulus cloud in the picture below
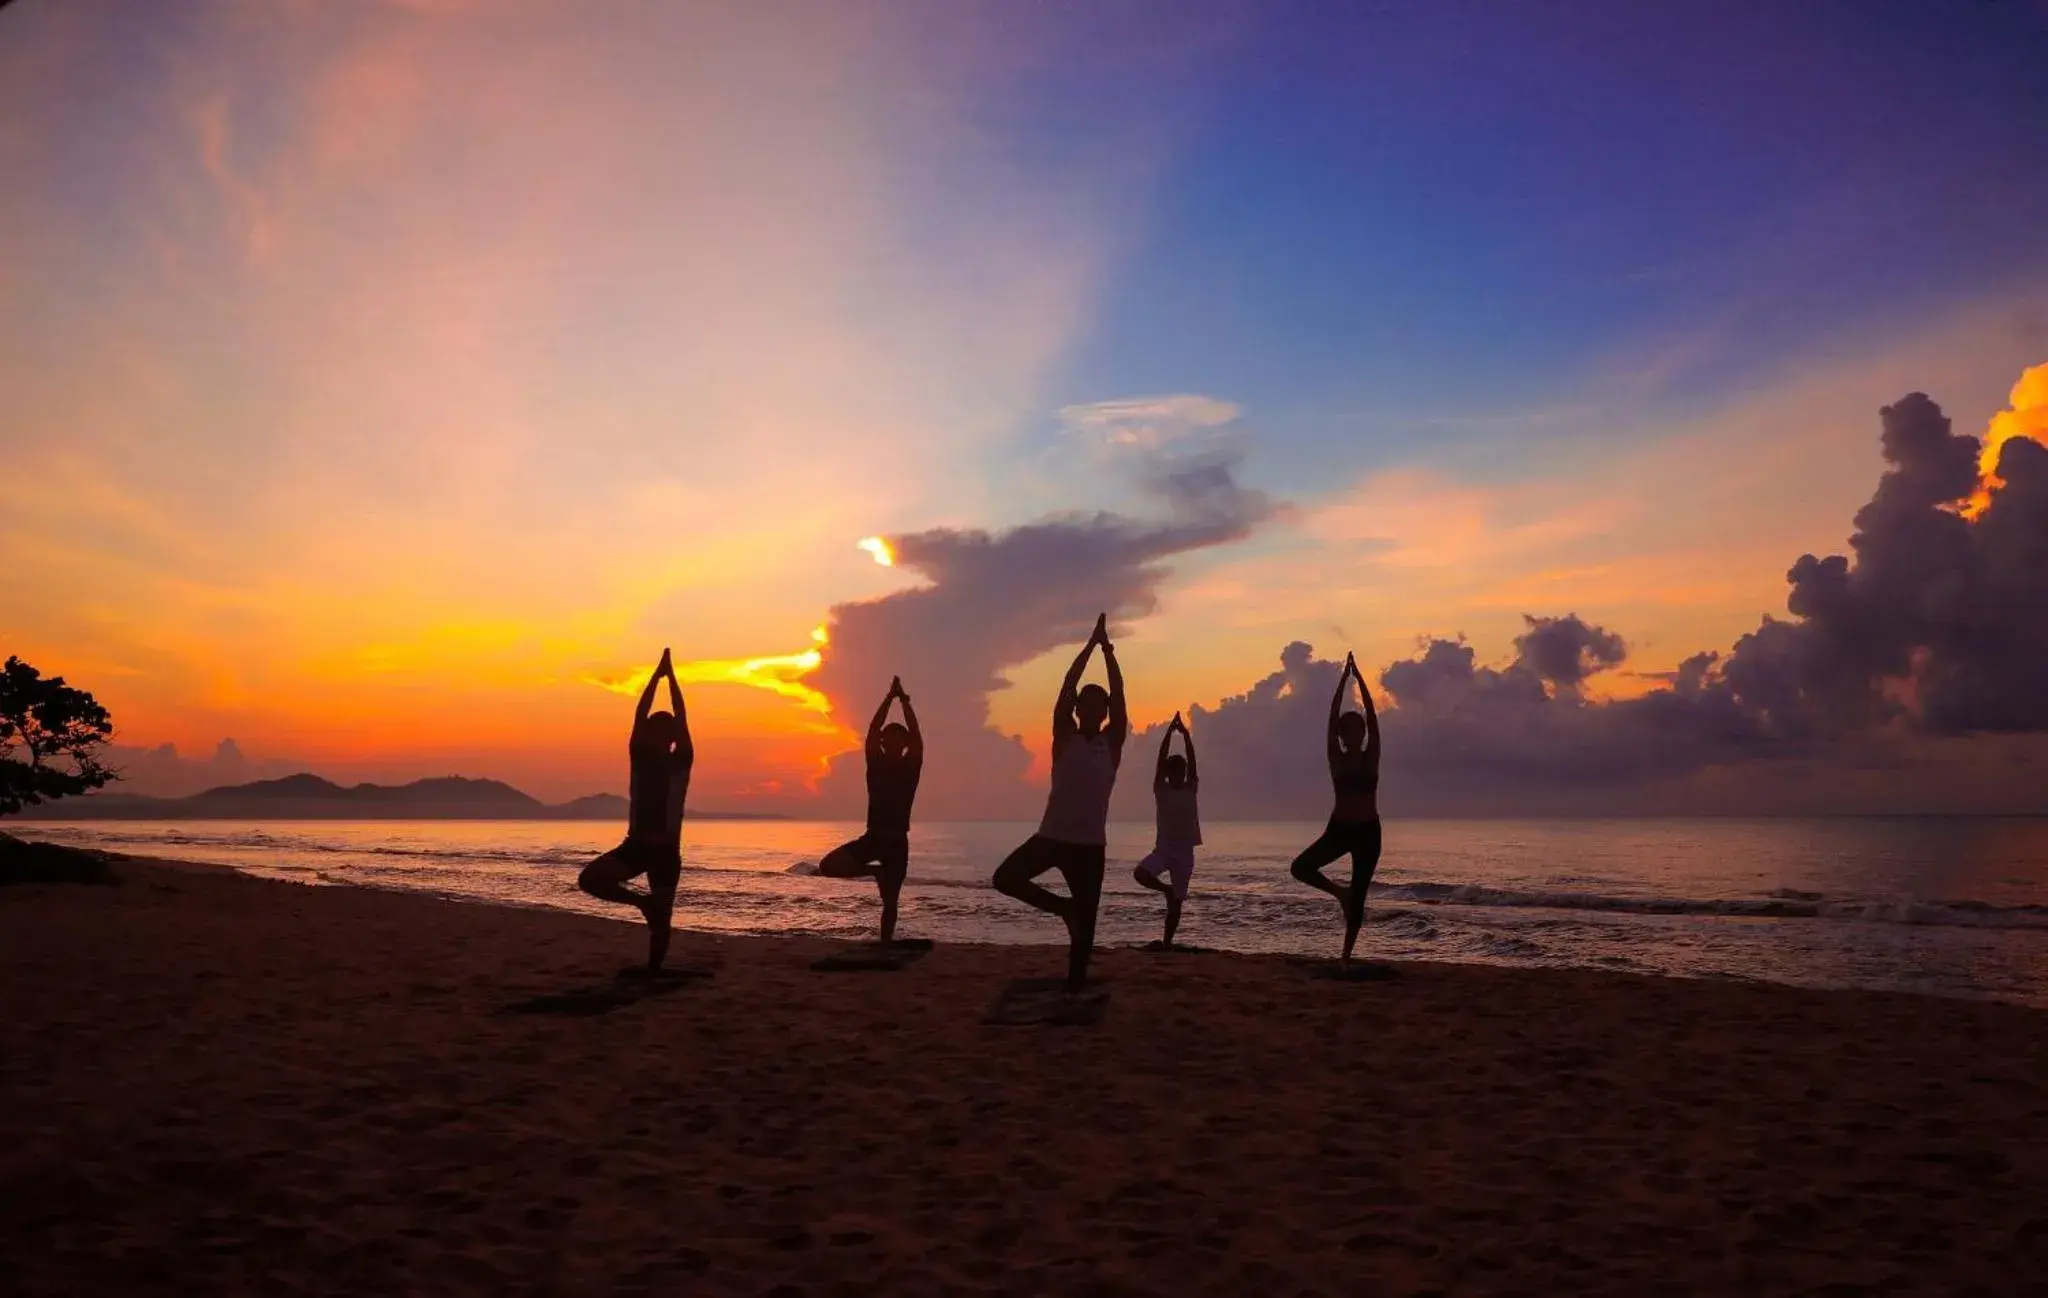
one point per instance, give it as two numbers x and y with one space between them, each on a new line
995 600
1936 620
1935 625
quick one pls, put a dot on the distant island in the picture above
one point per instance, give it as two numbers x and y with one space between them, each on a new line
309 797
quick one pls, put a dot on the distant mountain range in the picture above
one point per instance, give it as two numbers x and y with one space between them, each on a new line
309 797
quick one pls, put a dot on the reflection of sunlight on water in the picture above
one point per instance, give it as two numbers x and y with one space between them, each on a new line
1933 905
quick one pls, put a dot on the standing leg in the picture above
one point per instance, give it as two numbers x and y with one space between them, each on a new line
890 872
1181 869
1014 877
659 907
1365 858
1084 883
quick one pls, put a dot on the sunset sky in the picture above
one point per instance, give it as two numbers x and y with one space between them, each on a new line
382 386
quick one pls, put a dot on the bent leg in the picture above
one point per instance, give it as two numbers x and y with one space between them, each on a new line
1365 859
1083 873
1146 874
1014 877
852 860
605 878
1308 867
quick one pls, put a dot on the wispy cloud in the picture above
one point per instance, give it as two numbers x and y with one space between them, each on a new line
1149 423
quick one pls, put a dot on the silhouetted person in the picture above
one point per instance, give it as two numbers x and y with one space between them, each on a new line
661 758
1088 730
1178 827
1354 750
895 754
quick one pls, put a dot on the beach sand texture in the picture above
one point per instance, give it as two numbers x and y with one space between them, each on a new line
210 1083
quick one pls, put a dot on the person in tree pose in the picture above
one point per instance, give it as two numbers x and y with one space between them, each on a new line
1178 829
1354 828
1089 725
895 755
661 755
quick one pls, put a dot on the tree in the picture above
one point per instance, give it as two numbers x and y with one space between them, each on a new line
63 731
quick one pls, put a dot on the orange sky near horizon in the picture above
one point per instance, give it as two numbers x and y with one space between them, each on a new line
393 432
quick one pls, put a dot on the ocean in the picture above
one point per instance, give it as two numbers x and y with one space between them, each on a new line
1954 907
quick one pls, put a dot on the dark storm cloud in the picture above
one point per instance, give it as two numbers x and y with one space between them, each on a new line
1935 625
1464 736
995 600
1935 621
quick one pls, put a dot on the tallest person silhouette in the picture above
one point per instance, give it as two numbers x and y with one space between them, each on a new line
1089 725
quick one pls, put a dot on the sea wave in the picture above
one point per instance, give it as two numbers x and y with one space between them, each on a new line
1783 904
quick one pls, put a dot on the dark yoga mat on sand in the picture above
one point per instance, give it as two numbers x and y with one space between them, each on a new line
630 987
885 957
1031 1001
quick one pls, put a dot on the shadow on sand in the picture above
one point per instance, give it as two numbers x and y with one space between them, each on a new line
629 987
1046 1001
881 957
1359 971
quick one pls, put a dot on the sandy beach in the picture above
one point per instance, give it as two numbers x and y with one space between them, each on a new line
211 1083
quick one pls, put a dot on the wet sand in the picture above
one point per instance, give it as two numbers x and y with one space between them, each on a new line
210 1083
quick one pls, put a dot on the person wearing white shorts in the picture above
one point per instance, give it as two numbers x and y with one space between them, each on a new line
1179 830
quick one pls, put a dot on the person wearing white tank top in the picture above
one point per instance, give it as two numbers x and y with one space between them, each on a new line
1178 829
1088 730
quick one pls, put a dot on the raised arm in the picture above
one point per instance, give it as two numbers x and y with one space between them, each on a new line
1063 707
647 695
910 719
1165 745
1119 718
1372 722
1337 706
881 718
1187 740
686 750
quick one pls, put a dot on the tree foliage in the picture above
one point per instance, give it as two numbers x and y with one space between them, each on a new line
51 738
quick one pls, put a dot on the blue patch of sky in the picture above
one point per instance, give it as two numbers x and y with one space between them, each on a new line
1382 230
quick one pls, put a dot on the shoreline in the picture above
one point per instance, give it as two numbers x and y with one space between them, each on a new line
210 1081
1932 955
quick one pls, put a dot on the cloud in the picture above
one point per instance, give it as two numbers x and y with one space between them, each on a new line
1938 619
996 600
1148 423
1935 626
163 772
485 319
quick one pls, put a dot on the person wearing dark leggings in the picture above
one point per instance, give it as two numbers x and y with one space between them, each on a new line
1354 828
1089 725
662 757
895 753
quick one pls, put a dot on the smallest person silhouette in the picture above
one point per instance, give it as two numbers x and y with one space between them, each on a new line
1354 829
895 756
1178 831
661 755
